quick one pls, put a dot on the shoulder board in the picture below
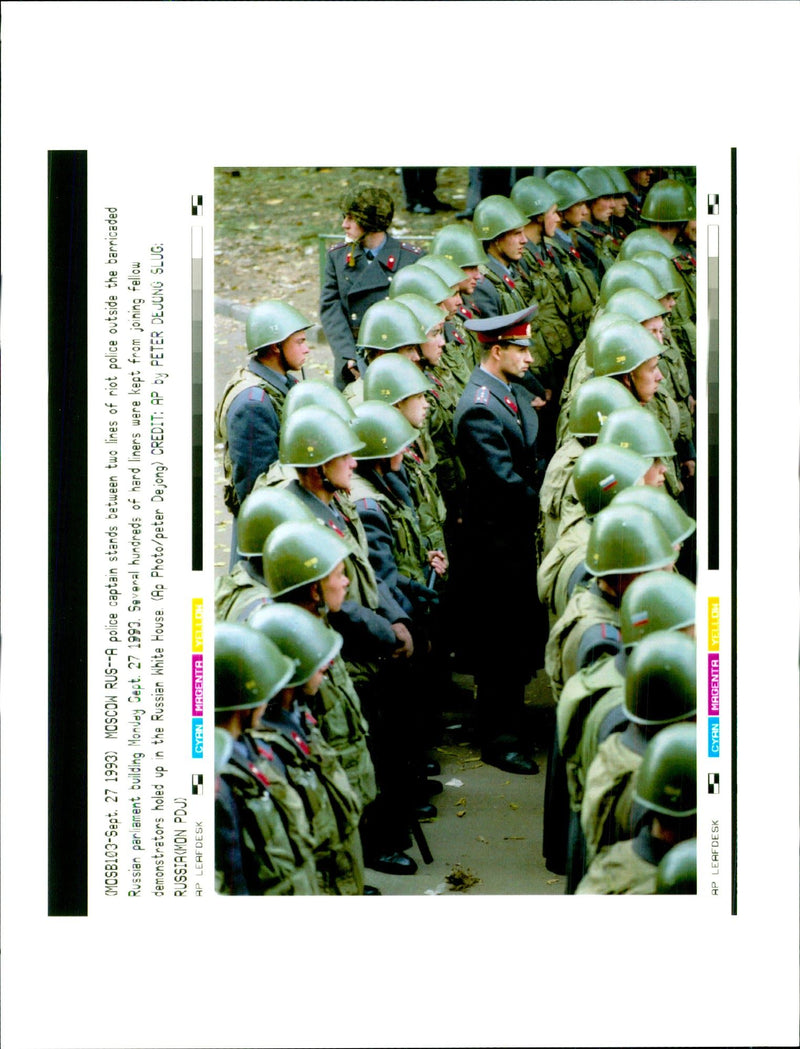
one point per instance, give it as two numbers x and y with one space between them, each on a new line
411 247
482 395
257 393
341 244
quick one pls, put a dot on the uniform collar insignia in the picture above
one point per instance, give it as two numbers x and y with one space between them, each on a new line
507 280
391 262
512 404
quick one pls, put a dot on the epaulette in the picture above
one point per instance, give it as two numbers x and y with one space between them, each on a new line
482 395
341 244
257 393
411 247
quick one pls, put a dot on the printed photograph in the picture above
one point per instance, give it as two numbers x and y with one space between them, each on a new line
455 541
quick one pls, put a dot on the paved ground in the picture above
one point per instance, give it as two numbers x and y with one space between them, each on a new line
489 824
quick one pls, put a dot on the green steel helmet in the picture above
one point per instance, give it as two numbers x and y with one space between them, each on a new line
676 875
620 180
459 244
319 393
533 196
657 601
427 313
601 473
393 378
594 401
445 268
271 322
627 539
303 637
419 280
249 669
669 201
639 429
660 267
661 679
262 510
621 347
646 240
496 215
667 778
602 319
636 304
384 430
598 182
223 748
569 187
629 274
312 436
388 325
297 554
371 207
674 519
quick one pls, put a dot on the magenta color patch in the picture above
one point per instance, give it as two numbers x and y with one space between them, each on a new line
713 683
197 686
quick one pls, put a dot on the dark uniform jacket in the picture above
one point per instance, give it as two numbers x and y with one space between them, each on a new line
496 441
252 423
349 290
499 291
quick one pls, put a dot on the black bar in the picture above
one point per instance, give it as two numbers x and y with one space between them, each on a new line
67 546
734 537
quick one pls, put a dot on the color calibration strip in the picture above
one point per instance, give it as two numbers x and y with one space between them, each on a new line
713 388
713 682
197 388
197 677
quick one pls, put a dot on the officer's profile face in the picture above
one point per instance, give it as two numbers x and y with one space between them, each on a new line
514 360
414 408
602 208
295 350
655 325
351 228
511 244
645 379
551 220
656 475
472 275
339 471
334 588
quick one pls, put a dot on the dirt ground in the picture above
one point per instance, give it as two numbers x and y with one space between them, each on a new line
487 834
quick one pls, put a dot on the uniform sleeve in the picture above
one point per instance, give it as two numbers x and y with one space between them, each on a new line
366 634
253 433
381 549
485 299
335 322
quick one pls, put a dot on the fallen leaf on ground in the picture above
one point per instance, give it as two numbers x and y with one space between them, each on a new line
513 805
460 879
461 812
481 838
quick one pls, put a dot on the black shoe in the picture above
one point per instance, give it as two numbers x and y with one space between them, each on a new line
425 812
392 863
426 788
420 209
509 761
438 205
370 890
